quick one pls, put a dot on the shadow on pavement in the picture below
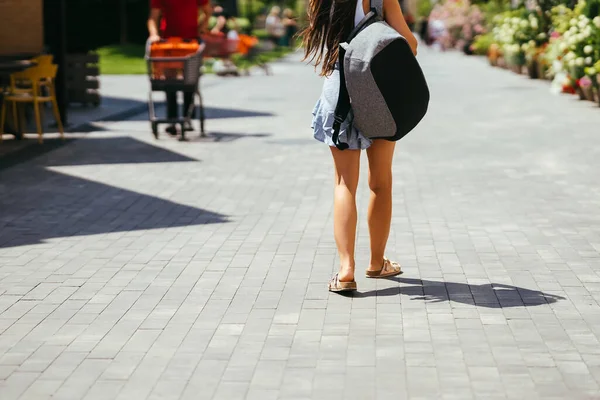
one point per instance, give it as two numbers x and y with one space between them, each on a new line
114 150
494 295
52 205
222 137
13 152
38 204
91 151
211 113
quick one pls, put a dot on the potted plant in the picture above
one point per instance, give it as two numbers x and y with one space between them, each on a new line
521 36
585 89
493 54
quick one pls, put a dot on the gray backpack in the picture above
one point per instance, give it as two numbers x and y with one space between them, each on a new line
380 80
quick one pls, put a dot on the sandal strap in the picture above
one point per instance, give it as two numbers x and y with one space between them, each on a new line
390 266
333 283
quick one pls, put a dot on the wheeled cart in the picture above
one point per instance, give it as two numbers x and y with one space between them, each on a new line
174 65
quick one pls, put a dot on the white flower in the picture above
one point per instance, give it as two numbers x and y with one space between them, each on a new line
596 21
571 63
588 49
572 41
570 56
580 62
557 66
524 46
534 22
573 22
587 32
588 61
582 24
532 43
562 46
541 36
524 23
567 34
592 71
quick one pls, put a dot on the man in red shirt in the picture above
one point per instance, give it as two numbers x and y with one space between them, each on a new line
179 19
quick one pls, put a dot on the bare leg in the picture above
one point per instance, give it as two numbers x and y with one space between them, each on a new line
380 156
347 167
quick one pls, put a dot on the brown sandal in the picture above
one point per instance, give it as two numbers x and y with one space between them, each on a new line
336 286
389 268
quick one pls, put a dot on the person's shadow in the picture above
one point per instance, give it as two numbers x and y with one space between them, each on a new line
491 295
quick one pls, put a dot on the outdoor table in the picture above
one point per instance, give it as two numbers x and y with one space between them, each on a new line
8 67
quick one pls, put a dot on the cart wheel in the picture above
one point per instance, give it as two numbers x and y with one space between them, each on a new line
155 130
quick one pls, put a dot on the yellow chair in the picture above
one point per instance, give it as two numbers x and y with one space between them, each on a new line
44 59
38 76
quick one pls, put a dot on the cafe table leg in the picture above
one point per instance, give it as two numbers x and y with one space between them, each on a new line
38 122
15 119
22 120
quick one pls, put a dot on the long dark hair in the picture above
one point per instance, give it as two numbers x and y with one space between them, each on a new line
329 24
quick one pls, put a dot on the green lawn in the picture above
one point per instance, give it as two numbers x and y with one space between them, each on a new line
129 59
119 60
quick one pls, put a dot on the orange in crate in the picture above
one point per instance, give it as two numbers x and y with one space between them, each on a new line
246 43
172 47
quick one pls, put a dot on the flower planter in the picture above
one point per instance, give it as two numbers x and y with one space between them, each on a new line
517 69
533 69
541 70
494 55
501 62
585 93
588 93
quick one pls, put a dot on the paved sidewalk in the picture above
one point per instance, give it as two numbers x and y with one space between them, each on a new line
139 269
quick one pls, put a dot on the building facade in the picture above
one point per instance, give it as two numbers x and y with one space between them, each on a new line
21 27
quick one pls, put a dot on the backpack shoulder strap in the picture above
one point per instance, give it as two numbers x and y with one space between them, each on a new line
377 5
343 104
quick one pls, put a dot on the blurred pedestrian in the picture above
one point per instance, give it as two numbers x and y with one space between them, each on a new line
225 27
274 26
225 24
185 19
291 27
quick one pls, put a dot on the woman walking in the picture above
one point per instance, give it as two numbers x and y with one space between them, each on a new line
330 23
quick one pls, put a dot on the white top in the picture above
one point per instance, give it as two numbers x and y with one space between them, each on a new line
359 14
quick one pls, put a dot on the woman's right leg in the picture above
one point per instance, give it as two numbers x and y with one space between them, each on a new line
380 155
347 167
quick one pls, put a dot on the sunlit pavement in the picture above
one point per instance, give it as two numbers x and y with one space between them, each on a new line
139 269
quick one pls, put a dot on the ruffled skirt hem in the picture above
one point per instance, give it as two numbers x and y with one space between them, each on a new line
322 125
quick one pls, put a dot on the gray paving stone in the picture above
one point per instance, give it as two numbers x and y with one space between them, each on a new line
197 270
42 389
16 384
